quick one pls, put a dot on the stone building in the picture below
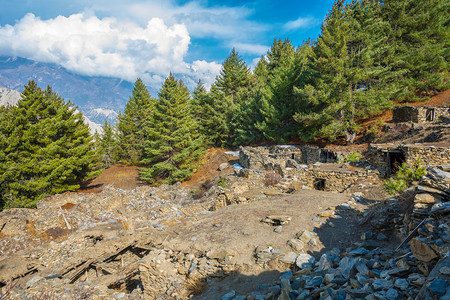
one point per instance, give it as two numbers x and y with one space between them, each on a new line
308 166
388 157
420 114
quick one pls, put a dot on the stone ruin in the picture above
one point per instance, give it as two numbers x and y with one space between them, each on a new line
421 114
388 157
303 167
317 168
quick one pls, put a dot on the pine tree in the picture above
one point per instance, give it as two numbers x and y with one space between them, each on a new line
247 113
279 102
234 75
173 146
107 145
346 80
46 148
212 112
130 124
418 37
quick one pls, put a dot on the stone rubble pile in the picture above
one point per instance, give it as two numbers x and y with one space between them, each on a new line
419 269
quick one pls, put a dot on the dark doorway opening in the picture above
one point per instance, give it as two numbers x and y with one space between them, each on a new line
319 184
430 115
395 160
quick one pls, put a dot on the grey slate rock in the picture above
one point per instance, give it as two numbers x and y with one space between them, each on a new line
401 283
391 294
346 266
314 282
437 287
382 284
286 275
359 252
229 295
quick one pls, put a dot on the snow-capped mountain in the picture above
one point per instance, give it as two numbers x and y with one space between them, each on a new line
11 97
96 97
8 97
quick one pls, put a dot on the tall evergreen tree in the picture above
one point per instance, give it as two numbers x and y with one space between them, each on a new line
173 146
107 145
130 124
212 112
46 148
419 36
279 102
345 80
234 75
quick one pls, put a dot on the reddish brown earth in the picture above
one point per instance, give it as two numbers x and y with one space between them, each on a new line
210 168
127 177
118 175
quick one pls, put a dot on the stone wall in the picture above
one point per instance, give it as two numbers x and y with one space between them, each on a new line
406 114
382 156
420 114
276 157
289 162
334 179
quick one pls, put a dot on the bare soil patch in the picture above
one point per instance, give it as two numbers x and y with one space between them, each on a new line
210 168
118 175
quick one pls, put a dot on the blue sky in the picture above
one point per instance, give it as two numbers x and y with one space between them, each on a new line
148 39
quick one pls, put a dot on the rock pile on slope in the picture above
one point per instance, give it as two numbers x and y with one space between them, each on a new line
418 269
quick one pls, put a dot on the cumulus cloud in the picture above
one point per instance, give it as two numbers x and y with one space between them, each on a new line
301 23
106 47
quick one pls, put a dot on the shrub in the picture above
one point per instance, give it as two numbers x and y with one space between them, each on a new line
271 178
377 128
405 176
222 183
352 156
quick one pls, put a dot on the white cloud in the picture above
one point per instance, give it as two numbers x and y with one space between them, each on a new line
254 49
106 47
302 23
221 22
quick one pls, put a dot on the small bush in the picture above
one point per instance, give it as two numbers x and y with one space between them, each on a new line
271 178
377 128
222 183
404 177
352 156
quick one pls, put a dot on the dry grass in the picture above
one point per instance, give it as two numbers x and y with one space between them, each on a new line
271 178
195 286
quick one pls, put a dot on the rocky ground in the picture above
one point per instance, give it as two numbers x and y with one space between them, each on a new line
232 237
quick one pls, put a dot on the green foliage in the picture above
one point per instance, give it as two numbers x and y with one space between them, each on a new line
376 129
279 102
45 148
222 183
173 144
212 112
130 124
346 79
405 176
107 145
418 38
234 75
353 156
247 114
